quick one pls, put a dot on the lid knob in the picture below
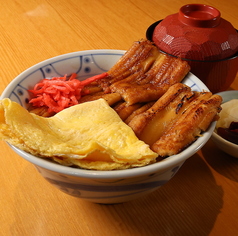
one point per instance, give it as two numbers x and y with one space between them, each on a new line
199 15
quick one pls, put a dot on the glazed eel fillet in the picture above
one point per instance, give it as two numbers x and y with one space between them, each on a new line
176 119
143 73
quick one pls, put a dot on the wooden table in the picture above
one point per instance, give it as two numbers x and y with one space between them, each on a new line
202 199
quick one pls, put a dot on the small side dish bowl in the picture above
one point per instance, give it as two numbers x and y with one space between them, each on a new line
226 146
105 187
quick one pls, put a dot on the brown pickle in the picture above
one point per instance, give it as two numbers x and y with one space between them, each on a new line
230 133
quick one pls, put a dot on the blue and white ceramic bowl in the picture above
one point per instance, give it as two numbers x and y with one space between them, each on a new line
98 186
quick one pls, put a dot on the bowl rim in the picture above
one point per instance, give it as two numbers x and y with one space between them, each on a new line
165 164
227 92
14 81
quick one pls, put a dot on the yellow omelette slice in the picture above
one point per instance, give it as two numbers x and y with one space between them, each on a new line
90 135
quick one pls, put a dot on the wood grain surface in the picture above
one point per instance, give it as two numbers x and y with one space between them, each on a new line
202 199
